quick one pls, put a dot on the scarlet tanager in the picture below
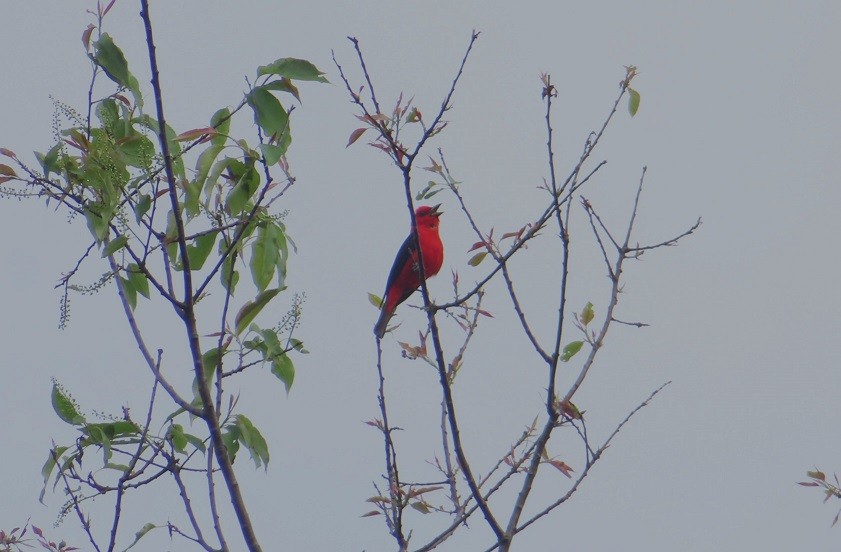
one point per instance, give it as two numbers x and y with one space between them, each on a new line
404 277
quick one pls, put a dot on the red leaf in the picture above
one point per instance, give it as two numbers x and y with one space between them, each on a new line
570 410
204 133
37 531
86 37
423 350
8 153
74 144
123 99
354 136
417 492
383 147
371 513
5 179
808 483
485 313
108 7
562 467
375 423
477 245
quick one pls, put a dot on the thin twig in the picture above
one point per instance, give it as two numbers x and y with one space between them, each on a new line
392 473
596 456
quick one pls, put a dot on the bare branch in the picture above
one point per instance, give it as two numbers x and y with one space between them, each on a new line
586 470
669 242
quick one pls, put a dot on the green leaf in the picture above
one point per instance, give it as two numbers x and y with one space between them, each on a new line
47 470
199 250
108 114
195 441
633 101
209 362
283 85
429 190
137 150
268 112
138 280
229 277
477 258
97 437
221 121
284 370
270 345
247 183
98 219
298 345
115 245
273 153
129 291
292 68
143 205
570 350
421 507
140 534
176 436
375 300
99 433
253 441
174 147
49 161
251 309
587 314
192 193
111 59
65 407
109 56
231 437
205 162
264 255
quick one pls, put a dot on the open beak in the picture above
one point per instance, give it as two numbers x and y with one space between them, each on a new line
435 210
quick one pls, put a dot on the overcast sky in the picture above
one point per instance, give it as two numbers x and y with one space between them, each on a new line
739 124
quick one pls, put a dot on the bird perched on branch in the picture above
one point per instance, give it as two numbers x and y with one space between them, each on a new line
404 277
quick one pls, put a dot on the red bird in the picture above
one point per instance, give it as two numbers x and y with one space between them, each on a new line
404 277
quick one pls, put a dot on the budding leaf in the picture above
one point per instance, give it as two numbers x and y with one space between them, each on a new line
570 350
587 314
633 101
477 258
375 300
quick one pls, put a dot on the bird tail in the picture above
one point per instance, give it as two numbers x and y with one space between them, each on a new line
382 322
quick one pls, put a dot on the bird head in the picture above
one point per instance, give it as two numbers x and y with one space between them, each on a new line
428 216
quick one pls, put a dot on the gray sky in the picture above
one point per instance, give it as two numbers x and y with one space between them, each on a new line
739 124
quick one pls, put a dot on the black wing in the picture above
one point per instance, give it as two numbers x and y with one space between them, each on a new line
403 255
